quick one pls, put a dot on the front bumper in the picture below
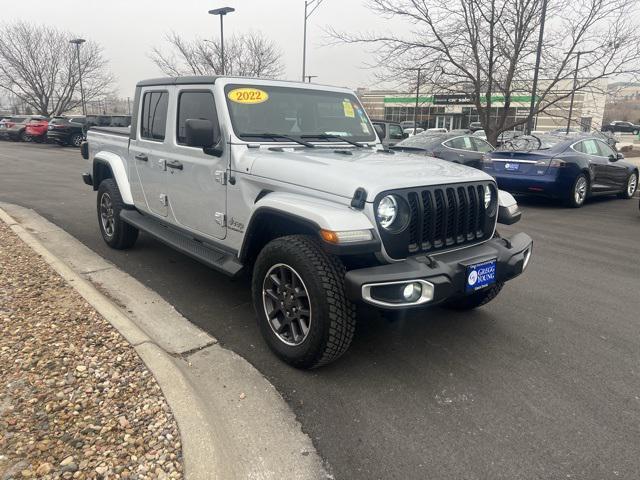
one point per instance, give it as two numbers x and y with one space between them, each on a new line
446 272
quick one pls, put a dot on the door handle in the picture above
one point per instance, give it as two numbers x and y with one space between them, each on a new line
175 164
142 157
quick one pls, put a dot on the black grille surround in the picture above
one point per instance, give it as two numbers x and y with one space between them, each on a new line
441 218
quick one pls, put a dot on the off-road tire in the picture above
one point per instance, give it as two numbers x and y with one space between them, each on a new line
625 191
475 300
332 322
124 236
571 200
76 140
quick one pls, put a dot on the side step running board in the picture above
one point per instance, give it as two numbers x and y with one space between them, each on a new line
212 257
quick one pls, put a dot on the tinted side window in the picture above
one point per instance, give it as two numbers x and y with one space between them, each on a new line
382 127
198 106
461 143
154 115
395 132
481 145
605 150
590 147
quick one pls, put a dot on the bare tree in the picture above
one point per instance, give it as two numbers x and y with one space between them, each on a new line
247 55
486 48
40 67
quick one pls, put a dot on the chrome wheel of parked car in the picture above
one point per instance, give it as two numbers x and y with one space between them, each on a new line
286 304
580 190
632 184
106 215
76 140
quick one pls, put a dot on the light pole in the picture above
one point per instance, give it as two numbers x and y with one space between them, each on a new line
77 42
222 12
535 71
415 110
575 84
314 4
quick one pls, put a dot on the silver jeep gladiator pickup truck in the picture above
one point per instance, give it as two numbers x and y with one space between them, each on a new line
289 182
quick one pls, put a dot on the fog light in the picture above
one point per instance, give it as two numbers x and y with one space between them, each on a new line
527 256
412 292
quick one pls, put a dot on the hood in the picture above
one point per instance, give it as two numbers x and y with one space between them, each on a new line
327 170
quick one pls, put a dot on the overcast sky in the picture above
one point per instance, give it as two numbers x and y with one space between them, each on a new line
127 29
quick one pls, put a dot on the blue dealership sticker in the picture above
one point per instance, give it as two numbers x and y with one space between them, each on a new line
481 275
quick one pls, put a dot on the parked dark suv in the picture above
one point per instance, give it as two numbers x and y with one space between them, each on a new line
67 130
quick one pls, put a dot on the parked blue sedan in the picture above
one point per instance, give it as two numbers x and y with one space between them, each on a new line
567 167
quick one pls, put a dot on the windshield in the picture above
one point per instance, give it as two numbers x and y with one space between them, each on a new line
296 112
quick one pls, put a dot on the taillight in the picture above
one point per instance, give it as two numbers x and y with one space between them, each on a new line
557 163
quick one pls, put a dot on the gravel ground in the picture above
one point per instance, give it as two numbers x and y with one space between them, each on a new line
76 401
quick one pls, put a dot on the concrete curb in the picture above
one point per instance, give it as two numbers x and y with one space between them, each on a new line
200 380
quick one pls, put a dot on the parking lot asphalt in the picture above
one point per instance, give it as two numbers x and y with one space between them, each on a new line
544 382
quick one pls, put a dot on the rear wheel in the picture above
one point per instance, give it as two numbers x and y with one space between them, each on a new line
475 300
116 233
76 140
300 302
630 186
579 191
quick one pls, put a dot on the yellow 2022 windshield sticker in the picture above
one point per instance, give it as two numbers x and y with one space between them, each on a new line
348 109
248 96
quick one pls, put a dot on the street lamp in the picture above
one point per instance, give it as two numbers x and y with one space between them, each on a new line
535 71
575 82
314 4
77 42
222 12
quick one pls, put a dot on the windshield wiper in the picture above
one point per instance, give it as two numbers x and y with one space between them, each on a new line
328 136
277 135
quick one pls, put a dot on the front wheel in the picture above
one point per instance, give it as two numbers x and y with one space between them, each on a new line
116 233
630 186
300 302
475 300
579 191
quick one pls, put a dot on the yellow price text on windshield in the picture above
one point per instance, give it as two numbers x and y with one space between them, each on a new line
248 96
348 109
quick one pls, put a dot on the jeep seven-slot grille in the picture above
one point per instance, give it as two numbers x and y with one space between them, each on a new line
441 218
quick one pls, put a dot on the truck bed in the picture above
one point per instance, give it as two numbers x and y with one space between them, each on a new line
121 131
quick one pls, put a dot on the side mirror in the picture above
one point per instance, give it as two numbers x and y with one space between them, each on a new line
405 135
614 157
620 156
200 133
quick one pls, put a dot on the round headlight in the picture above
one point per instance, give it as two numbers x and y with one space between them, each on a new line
387 211
487 197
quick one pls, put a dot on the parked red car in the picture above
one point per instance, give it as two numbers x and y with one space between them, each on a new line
36 130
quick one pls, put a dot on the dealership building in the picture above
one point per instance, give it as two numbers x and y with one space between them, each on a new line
457 110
